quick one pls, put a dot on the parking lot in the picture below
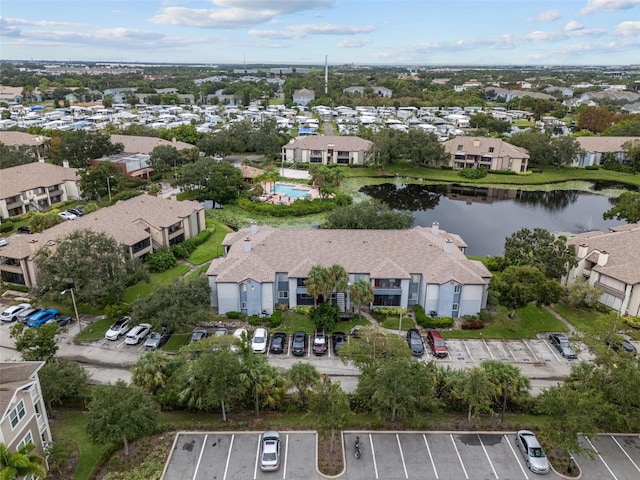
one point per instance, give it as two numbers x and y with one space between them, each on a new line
388 456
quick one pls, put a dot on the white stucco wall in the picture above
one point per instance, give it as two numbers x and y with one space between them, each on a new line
228 298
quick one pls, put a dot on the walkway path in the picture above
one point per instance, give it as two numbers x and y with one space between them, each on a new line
561 318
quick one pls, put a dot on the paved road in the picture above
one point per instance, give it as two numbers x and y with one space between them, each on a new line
388 456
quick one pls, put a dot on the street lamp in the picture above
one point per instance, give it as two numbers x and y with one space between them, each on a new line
504 400
109 187
75 306
255 381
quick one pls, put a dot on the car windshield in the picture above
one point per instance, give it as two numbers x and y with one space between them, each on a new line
415 341
439 343
564 343
537 452
259 339
319 341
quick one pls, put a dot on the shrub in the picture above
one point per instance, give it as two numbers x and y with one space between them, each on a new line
303 309
632 321
472 325
446 167
125 195
473 173
6 227
485 316
592 167
325 315
426 321
235 315
275 320
183 249
256 321
496 264
296 209
504 172
161 260
16 287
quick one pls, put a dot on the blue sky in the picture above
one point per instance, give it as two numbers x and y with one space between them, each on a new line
415 32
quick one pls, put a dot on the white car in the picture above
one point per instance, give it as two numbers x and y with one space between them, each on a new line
10 314
137 333
119 328
68 215
260 340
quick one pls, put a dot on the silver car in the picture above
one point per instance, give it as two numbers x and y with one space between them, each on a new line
562 344
532 451
270 451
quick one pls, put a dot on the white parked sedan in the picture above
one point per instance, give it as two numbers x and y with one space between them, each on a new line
68 215
260 340
10 314
137 333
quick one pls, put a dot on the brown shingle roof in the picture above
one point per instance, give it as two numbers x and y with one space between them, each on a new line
13 376
383 253
622 245
16 139
140 144
604 144
320 142
25 177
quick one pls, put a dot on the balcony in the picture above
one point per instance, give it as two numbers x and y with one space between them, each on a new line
610 290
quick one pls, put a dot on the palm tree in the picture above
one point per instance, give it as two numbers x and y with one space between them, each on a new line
316 282
150 371
304 378
21 463
361 292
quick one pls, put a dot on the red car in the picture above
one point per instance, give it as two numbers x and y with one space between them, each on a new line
319 346
437 344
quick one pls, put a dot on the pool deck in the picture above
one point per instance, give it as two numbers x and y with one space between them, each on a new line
284 199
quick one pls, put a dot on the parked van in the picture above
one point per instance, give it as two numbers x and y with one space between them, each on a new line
437 344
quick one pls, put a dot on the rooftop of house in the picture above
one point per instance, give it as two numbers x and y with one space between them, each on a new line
482 146
17 139
126 222
22 178
621 244
379 253
14 376
140 144
321 142
604 144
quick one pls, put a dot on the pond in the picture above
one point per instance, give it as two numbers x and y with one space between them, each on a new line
485 217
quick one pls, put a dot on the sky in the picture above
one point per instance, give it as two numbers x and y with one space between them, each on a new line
362 32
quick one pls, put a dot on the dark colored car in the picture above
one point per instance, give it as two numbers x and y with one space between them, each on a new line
437 344
278 342
415 342
62 320
624 345
198 334
338 339
24 229
562 344
299 344
320 346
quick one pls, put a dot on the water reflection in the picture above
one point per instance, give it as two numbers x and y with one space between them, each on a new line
484 217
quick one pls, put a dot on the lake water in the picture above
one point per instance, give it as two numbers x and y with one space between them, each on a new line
485 217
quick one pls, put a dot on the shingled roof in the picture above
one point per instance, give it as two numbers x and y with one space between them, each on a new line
25 177
321 142
140 144
14 376
381 253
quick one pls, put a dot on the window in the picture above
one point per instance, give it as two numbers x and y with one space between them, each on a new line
17 414
243 305
491 149
457 289
283 294
459 147
28 438
455 307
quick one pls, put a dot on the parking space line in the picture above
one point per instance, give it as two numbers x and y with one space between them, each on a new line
286 453
255 468
459 457
467 349
373 456
625 453
226 465
532 354
430 456
404 465
488 349
600 456
551 350
204 444
487 455
516 457
506 344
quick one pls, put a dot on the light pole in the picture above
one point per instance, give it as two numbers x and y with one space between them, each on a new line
504 400
109 187
255 381
75 306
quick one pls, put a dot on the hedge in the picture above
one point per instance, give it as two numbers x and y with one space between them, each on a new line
632 321
6 227
186 248
298 208
426 321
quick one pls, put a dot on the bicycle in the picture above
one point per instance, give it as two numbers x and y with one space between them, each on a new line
356 453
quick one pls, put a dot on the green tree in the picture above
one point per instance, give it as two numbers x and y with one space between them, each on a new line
165 157
41 221
330 408
538 144
219 181
19 464
368 215
565 150
582 294
625 128
79 147
62 379
304 377
35 344
361 292
152 369
10 157
541 249
173 306
632 154
317 283
93 262
101 181
119 412
503 375
424 149
476 391
520 285
627 207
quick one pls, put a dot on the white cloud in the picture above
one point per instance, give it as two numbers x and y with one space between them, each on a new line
37 23
352 43
303 31
572 26
629 28
549 16
610 5
235 13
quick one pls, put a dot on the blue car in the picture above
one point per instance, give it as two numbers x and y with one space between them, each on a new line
42 317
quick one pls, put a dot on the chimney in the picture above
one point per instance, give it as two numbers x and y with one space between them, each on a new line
33 245
603 257
583 249
247 244
476 143
435 228
174 197
447 245
254 227
65 163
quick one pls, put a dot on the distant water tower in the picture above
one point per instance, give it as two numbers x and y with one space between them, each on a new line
326 75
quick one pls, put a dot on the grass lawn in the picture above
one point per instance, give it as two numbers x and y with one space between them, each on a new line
294 322
176 341
529 321
143 289
71 425
95 331
393 323
212 248
582 319
199 271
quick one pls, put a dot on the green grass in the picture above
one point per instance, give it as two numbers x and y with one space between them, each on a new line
176 341
143 289
529 321
393 323
199 271
212 248
581 318
71 425
95 331
293 322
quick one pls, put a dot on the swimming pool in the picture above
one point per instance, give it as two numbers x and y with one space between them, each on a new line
290 191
